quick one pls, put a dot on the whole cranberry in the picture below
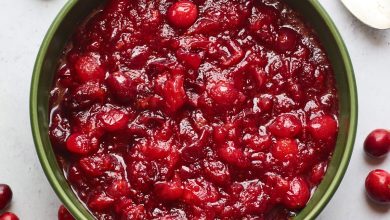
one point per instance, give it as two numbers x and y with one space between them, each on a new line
169 191
123 85
378 186
114 120
285 149
8 216
63 214
224 94
89 68
5 196
286 126
182 14
79 144
377 143
298 194
323 127
287 39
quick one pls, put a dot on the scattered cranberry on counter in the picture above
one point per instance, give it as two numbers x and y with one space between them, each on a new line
63 214
8 216
377 143
378 186
5 196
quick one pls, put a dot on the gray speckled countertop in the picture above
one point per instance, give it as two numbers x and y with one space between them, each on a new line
23 24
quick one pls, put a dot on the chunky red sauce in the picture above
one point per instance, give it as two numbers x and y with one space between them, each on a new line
210 109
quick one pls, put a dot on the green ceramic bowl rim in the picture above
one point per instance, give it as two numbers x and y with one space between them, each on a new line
56 185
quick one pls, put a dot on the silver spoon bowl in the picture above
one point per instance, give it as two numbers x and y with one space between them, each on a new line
374 13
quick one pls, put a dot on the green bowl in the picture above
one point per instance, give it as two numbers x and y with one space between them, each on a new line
75 11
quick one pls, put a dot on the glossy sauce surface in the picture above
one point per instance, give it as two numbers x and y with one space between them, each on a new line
203 109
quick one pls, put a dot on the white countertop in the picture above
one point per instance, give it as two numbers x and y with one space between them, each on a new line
23 24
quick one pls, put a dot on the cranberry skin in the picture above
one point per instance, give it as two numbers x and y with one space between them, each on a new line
123 86
96 165
182 14
323 127
87 94
199 192
377 143
233 155
63 214
100 202
114 120
174 94
8 216
298 194
285 149
79 144
217 172
317 173
287 40
286 126
118 189
5 196
169 191
378 186
89 68
224 94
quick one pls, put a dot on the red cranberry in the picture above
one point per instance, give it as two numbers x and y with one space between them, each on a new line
59 133
258 142
224 94
287 40
142 174
317 173
79 144
89 68
284 149
251 198
64 214
123 85
262 24
5 196
286 126
114 120
279 186
264 102
96 165
233 155
377 143
169 191
87 94
298 194
378 186
182 14
8 216
217 172
100 202
157 149
118 189
199 191
174 94
192 60
323 127
136 212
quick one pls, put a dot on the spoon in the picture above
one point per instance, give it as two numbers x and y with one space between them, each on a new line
374 13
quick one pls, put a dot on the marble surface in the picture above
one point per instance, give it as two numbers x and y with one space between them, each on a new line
23 24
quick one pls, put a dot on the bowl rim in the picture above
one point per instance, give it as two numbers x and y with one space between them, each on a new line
65 199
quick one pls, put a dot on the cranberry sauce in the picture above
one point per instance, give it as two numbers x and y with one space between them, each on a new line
202 109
